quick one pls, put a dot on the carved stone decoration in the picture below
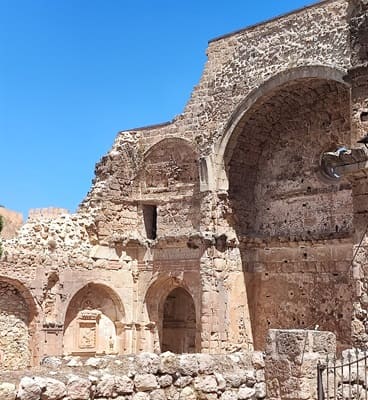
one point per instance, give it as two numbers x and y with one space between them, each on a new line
91 322
87 330
170 163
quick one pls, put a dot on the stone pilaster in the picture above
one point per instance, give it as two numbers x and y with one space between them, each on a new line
291 362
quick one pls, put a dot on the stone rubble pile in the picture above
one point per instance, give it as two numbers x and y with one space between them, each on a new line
146 376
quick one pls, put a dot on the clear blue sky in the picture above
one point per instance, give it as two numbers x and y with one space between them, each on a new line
75 72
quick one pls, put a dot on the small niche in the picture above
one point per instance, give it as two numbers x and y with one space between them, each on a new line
150 221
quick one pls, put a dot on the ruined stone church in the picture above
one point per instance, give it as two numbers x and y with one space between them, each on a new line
246 212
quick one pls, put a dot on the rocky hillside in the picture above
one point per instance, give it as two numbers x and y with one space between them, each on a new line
13 220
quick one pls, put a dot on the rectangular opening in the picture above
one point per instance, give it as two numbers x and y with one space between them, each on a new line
150 221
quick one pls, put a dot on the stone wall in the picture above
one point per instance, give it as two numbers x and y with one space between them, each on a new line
142 377
226 204
14 329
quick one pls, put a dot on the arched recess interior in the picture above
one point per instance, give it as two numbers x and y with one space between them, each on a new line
94 322
270 164
18 310
177 324
225 147
171 161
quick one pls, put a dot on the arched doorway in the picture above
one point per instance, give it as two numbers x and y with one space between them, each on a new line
173 306
16 315
179 322
93 322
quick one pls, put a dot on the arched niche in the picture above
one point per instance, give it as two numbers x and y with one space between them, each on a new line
228 142
282 208
272 162
175 311
179 322
17 325
94 322
170 164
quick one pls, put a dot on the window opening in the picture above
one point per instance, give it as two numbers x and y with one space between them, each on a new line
150 221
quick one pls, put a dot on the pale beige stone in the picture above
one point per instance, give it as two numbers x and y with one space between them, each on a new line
7 391
158 394
247 393
145 382
123 385
165 380
28 389
188 364
183 381
148 363
229 395
169 363
187 393
106 386
206 384
78 388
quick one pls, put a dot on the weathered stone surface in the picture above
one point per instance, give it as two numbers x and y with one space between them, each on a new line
29 389
206 364
95 362
188 365
168 363
183 381
141 396
258 360
172 393
158 394
233 379
148 363
123 385
78 388
145 382
165 380
51 362
206 384
229 395
74 362
221 381
106 386
52 389
260 390
187 394
246 393
7 391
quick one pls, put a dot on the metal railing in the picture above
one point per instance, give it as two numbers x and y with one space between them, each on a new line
344 379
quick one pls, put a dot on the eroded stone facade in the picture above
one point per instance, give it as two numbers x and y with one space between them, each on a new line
201 234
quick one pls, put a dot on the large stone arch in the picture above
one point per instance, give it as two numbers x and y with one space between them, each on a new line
94 321
18 310
157 296
291 222
223 149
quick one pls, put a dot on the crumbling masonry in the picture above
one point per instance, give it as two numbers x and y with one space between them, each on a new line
200 234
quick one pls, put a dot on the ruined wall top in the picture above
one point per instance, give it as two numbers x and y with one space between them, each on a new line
49 212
